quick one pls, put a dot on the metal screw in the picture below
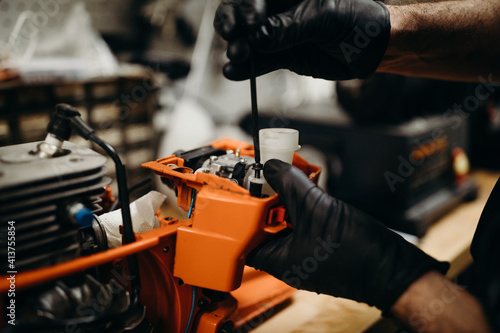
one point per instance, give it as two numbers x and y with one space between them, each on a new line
166 249
202 303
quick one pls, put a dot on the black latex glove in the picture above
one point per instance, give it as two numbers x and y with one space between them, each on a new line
335 248
330 39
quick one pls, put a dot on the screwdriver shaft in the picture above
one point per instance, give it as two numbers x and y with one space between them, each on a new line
255 115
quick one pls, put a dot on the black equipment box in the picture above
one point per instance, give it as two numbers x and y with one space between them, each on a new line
404 175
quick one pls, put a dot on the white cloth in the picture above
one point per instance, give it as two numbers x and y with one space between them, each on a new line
143 216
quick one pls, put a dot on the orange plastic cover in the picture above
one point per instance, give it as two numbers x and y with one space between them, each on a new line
226 223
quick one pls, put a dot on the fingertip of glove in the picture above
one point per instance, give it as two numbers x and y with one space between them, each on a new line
234 72
238 50
224 21
252 12
239 71
273 167
274 171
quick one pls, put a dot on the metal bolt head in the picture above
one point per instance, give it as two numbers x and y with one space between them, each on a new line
202 303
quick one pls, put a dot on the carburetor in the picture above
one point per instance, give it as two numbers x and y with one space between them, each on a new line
231 165
228 164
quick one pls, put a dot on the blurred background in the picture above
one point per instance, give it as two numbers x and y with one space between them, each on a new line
147 75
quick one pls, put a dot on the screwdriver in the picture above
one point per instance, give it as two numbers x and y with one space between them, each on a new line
257 182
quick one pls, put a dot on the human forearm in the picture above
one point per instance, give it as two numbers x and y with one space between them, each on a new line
453 40
434 304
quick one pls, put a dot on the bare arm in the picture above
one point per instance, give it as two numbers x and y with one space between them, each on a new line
452 40
434 304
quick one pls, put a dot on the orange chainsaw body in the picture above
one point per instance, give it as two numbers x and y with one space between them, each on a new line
208 250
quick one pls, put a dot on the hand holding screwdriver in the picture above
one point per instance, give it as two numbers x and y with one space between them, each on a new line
332 39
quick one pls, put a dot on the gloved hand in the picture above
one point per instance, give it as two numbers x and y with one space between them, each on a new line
330 39
336 249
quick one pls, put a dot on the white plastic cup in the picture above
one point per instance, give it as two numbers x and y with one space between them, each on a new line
279 143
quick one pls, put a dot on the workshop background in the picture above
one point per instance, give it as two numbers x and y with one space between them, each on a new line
136 70
147 75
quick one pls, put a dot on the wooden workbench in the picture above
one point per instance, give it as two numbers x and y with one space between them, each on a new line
448 239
